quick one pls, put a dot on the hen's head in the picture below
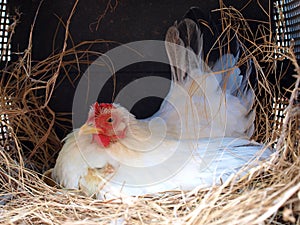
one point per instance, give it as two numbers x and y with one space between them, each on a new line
106 122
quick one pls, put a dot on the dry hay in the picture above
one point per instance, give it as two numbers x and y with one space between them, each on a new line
270 194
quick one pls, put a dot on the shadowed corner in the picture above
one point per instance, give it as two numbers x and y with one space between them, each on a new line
47 178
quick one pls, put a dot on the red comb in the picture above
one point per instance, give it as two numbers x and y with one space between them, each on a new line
102 108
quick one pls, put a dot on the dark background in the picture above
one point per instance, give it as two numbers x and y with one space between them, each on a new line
125 21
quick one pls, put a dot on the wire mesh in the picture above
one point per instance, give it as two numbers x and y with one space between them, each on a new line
5 47
5 129
287 19
5 56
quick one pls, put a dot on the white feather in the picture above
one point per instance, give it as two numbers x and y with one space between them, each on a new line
205 101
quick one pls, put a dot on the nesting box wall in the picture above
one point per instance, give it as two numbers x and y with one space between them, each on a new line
124 22
5 57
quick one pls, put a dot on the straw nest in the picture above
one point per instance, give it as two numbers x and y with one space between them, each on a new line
268 195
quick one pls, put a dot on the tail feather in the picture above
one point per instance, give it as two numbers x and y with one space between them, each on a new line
228 75
186 34
234 81
224 87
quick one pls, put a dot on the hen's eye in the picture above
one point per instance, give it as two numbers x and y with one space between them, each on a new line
110 120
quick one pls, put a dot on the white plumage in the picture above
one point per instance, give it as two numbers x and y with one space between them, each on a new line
214 101
198 138
172 165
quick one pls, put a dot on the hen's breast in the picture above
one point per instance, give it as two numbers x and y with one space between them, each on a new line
78 154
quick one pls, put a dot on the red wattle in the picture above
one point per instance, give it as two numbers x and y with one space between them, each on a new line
102 140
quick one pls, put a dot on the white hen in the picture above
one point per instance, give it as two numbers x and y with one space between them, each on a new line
196 139
143 162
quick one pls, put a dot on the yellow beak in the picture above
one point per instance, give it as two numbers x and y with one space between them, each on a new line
86 129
